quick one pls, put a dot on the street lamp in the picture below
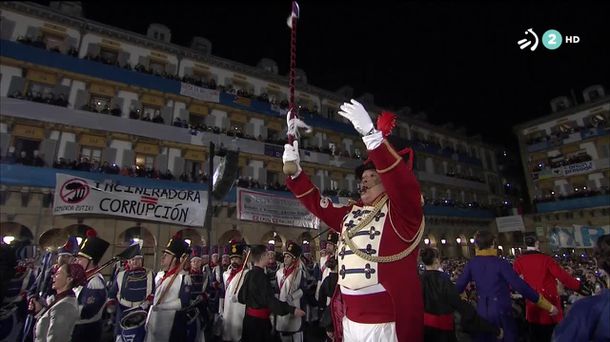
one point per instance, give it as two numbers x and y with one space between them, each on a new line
426 241
8 239
188 241
458 240
471 240
443 241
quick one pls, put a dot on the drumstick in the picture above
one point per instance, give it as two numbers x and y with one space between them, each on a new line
242 271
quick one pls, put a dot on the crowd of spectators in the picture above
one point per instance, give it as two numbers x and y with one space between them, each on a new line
561 134
579 192
23 157
465 177
138 114
47 97
558 161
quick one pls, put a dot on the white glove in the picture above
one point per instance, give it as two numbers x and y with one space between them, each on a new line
358 116
291 154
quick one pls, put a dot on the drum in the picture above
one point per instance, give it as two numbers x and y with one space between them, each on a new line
133 325
9 329
193 326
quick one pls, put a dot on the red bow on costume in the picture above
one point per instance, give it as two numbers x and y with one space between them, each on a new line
287 272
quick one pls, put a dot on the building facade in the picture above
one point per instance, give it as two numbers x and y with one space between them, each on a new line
565 157
81 97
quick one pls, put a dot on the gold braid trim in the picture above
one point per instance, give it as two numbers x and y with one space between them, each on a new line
381 259
380 203
305 193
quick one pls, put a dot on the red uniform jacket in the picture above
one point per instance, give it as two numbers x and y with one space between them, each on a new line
399 278
541 272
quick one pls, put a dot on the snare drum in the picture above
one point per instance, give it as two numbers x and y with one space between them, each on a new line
132 325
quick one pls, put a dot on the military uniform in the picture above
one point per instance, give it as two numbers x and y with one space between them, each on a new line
166 319
291 284
272 268
197 308
132 288
91 297
232 311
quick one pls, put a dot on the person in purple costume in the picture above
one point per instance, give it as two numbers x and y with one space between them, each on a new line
494 278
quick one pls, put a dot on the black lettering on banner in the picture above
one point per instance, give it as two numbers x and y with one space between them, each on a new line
125 207
165 216
103 206
132 208
155 193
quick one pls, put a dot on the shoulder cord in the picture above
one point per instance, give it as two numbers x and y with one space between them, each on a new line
389 258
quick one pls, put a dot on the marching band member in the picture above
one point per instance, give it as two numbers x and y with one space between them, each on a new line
166 320
233 311
92 296
257 296
291 281
133 287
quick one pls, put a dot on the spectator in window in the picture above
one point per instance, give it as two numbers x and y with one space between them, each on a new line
134 113
38 161
157 118
84 164
116 111
17 95
146 117
24 159
10 157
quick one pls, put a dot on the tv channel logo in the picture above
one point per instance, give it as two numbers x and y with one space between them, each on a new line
551 39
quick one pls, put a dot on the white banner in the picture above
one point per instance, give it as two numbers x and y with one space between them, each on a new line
268 208
576 236
199 93
510 223
579 168
75 195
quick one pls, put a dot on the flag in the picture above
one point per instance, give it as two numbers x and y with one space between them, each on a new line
293 14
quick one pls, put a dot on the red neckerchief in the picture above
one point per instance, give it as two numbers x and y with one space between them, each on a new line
287 272
234 271
168 274
213 264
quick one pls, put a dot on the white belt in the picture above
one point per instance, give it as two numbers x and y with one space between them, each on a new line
363 291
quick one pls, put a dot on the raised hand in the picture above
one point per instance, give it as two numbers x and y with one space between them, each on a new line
358 116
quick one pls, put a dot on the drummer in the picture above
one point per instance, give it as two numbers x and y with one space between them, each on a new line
133 288
197 307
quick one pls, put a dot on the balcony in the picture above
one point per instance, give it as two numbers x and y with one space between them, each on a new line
43 177
97 121
453 181
574 203
102 71
583 134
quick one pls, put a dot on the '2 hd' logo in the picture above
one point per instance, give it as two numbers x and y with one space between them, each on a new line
551 39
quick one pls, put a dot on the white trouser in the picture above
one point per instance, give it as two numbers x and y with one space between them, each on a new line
368 332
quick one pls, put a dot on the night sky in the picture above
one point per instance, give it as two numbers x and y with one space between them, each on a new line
458 62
